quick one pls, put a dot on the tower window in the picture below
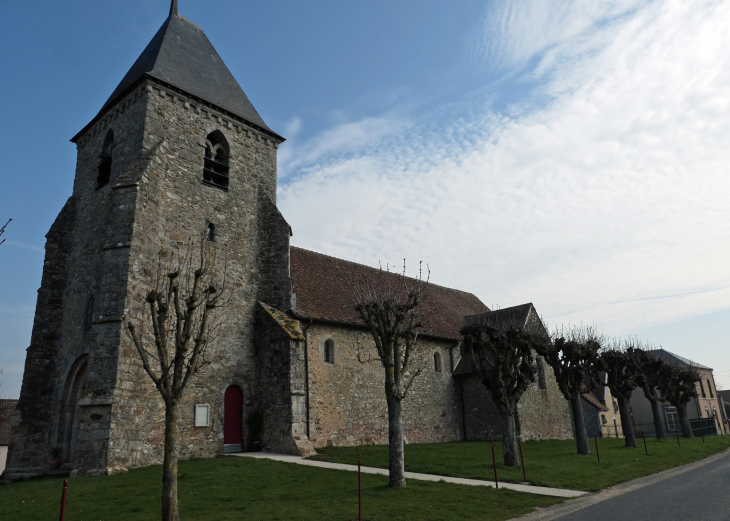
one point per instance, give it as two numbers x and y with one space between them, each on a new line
215 169
329 352
211 231
541 382
437 362
105 160
89 316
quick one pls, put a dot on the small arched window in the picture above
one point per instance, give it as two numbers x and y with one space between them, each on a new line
211 231
105 160
89 315
541 382
437 362
329 352
216 167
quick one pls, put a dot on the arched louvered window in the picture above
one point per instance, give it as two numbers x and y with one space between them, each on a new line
437 362
216 167
105 160
329 352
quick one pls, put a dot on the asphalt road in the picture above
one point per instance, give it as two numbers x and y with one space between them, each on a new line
702 494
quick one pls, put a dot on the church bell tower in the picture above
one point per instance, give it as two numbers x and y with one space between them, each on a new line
178 149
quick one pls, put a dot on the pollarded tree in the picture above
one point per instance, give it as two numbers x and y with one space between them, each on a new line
622 368
678 385
649 378
573 355
386 303
182 307
502 356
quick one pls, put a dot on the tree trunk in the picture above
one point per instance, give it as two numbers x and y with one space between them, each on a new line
397 478
510 450
626 425
581 436
657 412
170 510
684 421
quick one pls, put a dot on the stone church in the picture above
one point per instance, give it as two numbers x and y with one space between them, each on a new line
179 150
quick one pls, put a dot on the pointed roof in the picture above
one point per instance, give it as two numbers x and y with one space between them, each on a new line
181 55
672 358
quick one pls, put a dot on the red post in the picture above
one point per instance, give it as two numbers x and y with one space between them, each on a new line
494 461
677 433
643 435
595 438
522 459
63 500
359 490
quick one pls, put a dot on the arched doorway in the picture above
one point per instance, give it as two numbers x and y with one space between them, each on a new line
233 420
69 403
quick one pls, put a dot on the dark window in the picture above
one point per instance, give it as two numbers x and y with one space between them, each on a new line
211 231
89 316
105 160
541 382
709 388
216 167
702 387
437 362
329 352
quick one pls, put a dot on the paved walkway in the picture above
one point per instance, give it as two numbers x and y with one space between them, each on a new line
541 491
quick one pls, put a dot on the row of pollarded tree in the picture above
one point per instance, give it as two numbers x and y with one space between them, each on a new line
504 356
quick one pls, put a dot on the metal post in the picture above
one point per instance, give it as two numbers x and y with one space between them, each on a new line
63 500
615 426
522 459
494 461
359 490
597 453
677 433
643 435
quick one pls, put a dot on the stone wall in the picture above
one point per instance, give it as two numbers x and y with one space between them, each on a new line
31 419
541 413
347 397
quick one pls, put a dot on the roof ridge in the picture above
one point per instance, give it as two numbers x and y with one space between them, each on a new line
373 268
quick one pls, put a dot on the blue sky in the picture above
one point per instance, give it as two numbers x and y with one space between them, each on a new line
569 153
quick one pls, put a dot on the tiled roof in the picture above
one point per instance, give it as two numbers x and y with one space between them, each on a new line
6 407
590 398
323 288
665 355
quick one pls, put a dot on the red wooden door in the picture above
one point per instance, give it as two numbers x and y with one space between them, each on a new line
232 416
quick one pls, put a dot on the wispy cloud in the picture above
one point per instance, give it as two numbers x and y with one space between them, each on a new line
608 204
22 246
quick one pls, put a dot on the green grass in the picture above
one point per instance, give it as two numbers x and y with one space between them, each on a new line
244 488
548 463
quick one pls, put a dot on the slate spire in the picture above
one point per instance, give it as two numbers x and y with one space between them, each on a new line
181 56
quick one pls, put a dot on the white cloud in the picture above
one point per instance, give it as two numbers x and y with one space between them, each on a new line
609 204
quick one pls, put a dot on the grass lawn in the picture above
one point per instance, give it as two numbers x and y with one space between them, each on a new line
244 488
548 463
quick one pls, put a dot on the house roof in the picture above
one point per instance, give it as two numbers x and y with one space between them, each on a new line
6 407
665 355
323 288
517 315
595 402
725 396
181 55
